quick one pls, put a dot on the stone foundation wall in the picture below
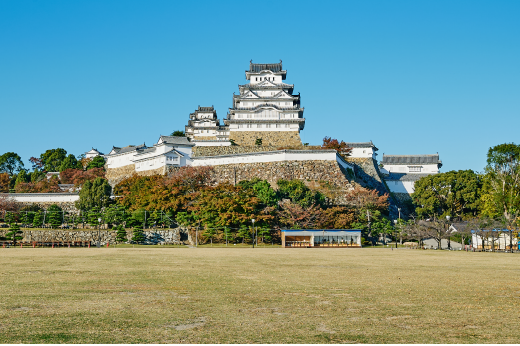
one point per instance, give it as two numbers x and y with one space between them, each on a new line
367 174
269 138
116 175
66 206
315 174
228 150
158 236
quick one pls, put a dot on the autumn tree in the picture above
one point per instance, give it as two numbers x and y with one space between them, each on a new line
4 182
340 147
295 216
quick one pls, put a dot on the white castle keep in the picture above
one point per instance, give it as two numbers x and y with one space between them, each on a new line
265 109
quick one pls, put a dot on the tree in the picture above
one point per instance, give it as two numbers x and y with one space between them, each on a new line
10 163
69 162
52 159
340 147
299 193
4 182
258 142
78 176
454 193
22 177
14 233
94 194
502 181
178 133
54 216
296 216
97 162
121 236
262 189
138 235
38 219
8 204
115 214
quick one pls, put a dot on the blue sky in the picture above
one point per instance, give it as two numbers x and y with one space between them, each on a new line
415 77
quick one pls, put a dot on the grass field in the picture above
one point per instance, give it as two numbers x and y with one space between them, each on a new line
244 295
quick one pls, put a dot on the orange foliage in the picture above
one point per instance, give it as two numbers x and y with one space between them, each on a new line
78 176
4 182
364 198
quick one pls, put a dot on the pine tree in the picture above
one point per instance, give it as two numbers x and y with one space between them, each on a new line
14 230
138 236
54 216
38 219
121 234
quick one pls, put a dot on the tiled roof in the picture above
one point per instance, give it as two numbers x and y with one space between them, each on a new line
255 68
405 176
411 159
205 109
362 145
130 148
175 140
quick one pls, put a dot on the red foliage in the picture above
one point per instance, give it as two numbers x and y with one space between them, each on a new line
8 204
37 163
78 177
364 198
338 218
293 215
341 147
157 192
42 186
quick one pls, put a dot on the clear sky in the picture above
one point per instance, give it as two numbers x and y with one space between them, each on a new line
415 77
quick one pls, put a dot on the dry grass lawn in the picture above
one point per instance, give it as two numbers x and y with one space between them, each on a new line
243 295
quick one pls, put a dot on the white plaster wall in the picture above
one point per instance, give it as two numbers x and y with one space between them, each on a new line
431 168
401 186
44 197
362 152
115 161
271 157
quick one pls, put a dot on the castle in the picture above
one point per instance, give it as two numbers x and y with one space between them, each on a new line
260 138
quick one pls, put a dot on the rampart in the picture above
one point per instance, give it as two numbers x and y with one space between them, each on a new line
269 138
154 236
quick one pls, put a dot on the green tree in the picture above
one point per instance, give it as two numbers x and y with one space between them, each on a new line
9 217
14 233
37 176
115 214
55 216
22 177
10 163
299 193
454 193
38 219
69 162
138 235
258 141
52 159
178 133
94 194
121 236
97 162
502 182
93 216
262 189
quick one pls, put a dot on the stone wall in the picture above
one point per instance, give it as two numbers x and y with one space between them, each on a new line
367 174
269 138
326 176
116 175
156 236
229 150
66 206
